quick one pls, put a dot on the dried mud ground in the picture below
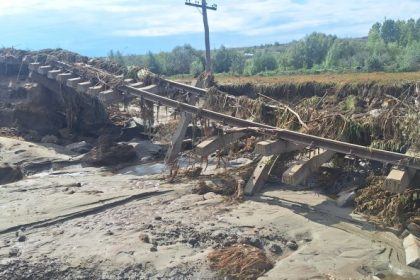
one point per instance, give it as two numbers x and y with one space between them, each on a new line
89 223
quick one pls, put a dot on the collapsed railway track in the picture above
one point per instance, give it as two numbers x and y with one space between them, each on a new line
111 88
287 135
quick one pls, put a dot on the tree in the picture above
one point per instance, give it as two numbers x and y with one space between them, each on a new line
296 56
374 33
196 68
264 61
119 58
391 45
152 63
309 51
410 60
316 47
389 31
418 29
179 60
222 60
111 55
410 33
340 54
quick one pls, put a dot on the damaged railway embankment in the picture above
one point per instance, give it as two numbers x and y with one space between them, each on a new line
35 111
51 112
305 89
378 114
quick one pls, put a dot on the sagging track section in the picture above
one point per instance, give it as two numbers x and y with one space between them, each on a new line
311 141
109 88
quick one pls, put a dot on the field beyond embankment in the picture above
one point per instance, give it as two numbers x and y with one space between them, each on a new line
344 78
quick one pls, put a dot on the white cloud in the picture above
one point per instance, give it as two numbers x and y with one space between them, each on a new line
142 18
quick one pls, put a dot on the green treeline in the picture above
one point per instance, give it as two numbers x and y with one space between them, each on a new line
390 46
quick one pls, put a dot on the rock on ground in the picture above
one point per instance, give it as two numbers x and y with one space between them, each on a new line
9 174
109 154
79 147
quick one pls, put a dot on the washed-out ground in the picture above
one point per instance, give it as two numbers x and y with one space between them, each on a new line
72 222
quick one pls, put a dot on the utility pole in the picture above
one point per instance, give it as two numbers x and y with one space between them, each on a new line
204 7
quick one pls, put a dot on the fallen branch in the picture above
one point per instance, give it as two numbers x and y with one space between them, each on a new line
287 108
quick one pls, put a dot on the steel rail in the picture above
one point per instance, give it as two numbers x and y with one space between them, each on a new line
173 84
186 87
288 135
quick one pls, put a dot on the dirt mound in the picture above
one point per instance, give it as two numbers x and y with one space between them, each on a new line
240 261
386 208
107 153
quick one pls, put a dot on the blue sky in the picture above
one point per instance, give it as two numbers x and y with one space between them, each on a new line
93 27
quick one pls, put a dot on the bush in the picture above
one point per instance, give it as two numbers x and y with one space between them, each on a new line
238 64
196 68
410 60
374 63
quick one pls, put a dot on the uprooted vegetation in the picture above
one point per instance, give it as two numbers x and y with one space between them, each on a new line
389 209
384 117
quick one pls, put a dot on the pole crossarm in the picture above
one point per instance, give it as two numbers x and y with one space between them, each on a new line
200 5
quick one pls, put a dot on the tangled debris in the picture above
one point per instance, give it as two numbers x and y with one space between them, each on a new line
240 261
206 80
108 66
389 209
44 56
371 118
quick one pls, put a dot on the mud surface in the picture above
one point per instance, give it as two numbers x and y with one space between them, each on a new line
88 223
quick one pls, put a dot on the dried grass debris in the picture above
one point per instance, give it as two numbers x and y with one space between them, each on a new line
386 208
240 261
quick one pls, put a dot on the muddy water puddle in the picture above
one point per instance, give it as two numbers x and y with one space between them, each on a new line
159 167
75 170
145 169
